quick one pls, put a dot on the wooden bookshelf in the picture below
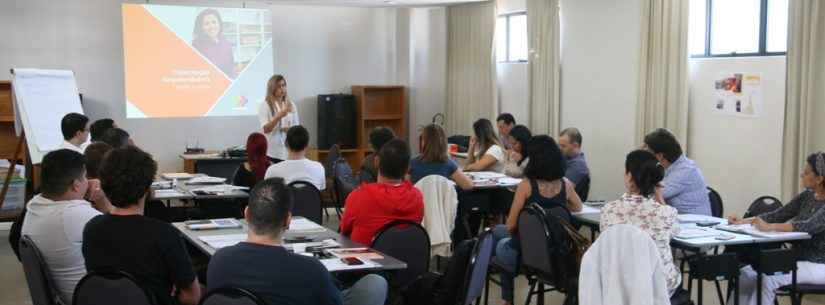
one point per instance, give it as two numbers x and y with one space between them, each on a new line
380 106
9 139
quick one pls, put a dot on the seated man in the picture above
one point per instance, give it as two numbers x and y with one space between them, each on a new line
75 132
684 186
55 218
262 265
371 206
151 250
378 137
117 138
99 127
297 167
570 143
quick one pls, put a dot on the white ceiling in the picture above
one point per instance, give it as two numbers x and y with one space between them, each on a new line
369 3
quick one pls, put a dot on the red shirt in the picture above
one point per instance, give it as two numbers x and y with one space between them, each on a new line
371 206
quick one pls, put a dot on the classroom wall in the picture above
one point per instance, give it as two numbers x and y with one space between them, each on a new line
599 80
739 157
320 50
426 67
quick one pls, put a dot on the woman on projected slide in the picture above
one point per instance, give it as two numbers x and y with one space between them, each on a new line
276 115
210 42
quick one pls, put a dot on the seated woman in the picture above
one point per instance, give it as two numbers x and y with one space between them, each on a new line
545 185
253 170
641 208
485 152
516 161
805 213
434 159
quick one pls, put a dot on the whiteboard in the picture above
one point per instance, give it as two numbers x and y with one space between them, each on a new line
41 99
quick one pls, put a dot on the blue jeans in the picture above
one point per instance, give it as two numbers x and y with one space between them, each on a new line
369 290
507 256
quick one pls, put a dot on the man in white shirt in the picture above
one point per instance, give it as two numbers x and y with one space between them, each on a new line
55 218
297 167
75 132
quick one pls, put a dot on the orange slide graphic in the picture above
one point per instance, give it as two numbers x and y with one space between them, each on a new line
165 77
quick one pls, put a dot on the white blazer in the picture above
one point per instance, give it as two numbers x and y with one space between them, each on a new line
440 208
623 268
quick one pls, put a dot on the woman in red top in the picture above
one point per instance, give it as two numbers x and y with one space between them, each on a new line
373 205
252 171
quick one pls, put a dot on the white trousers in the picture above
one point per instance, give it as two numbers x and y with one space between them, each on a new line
807 273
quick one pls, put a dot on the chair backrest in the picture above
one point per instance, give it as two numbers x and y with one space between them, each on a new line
41 286
408 242
105 288
763 205
477 269
231 296
545 246
534 238
717 208
306 201
332 155
345 182
583 188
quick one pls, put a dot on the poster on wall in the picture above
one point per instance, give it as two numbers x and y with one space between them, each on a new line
738 94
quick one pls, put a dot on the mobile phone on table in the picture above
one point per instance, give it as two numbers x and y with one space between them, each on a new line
351 261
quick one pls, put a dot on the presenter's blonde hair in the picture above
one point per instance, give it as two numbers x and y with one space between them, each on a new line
270 91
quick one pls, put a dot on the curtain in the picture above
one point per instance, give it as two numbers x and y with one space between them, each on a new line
471 69
663 74
543 41
804 131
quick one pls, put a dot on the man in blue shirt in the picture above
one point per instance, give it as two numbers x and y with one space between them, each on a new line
570 143
263 266
684 186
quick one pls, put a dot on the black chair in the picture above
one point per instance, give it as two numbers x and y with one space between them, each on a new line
407 241
477 269
583 188
332 155
801 290
763 205
344 182
111 287
231 296
41 285
543 263
717 208
306 201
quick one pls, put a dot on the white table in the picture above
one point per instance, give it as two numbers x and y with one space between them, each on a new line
192 236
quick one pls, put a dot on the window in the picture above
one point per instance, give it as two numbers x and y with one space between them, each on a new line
511 37
723 28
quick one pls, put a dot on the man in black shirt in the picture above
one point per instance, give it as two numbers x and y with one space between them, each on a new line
150 250
263 266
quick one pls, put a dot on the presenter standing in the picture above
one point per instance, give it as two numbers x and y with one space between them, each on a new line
277 114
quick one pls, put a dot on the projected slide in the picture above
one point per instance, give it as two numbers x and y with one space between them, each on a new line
185 61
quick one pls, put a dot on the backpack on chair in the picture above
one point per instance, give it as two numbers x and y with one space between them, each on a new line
443 289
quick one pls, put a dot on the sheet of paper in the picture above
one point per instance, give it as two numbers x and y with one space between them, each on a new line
694 218
588 210
169 193
485 175
509 181
335 264
696 232
223 240
751 230
304 225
